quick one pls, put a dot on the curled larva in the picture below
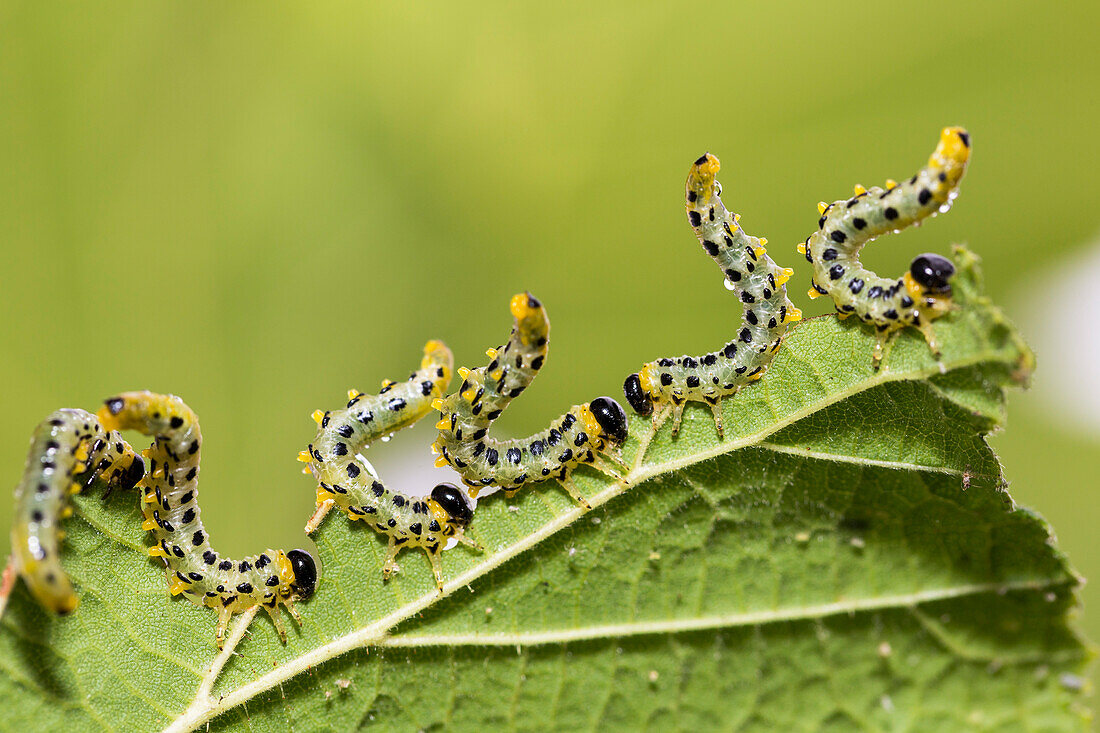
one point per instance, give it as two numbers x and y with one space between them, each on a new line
584 434
351 485
662 387
918 296
69 450
171 507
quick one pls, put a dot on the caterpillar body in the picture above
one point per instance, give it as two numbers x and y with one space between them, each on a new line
759 283
344 482
918 296
584 435
170 506
69 450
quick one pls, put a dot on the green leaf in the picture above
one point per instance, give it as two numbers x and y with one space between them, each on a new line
848 557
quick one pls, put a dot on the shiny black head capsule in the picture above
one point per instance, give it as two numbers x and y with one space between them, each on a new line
305 572
611 417
636 396
133 474
932 271
450 498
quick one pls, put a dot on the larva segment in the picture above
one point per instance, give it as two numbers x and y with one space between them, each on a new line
920 295
69 450
170 506
586 434
345 482
662 387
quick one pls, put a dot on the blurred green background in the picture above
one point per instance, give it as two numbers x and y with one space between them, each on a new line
259 205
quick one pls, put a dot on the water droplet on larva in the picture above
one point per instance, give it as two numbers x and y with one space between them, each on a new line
729 285
387 438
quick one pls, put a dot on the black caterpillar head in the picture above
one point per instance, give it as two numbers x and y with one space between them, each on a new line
636 396
450 499
305 572
932 271
611 417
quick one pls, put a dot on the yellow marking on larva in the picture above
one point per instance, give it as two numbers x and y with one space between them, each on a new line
891 184
760 251
794 314
443 424
149 524
385 383
736 218
318 416
821 206
814 295
646 378
147 453
491 353
157 551
81 453
951 151
66 512
437 404
497 374
463 372
433 350
304 456
440 462
75 488
801 248
757 376
860 190
353 393
784 275
591 425
177 587
149 498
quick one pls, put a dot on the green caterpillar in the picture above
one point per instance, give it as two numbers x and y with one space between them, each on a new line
758 282
920 295
343 481
69 450
171 508
582 435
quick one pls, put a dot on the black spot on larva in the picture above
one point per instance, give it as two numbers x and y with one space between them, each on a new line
377 489
891 213
829 254
838 236
891 314
702 159
194 447
244 588
189 516
747 297
580 439
192 473
176 423
666 379
114 405
710 214
746 335
340 449
272 581
750 316
692 196
693 217
198 538
836 272
874 292
345 431
693 381
353 470
733 275
859 223
709 360
492 456
855 286
924 196
536 363
710 247
195 576
730 350
209 557
537 447
398 501
965 137
396 404
513 455
426 388
244 566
